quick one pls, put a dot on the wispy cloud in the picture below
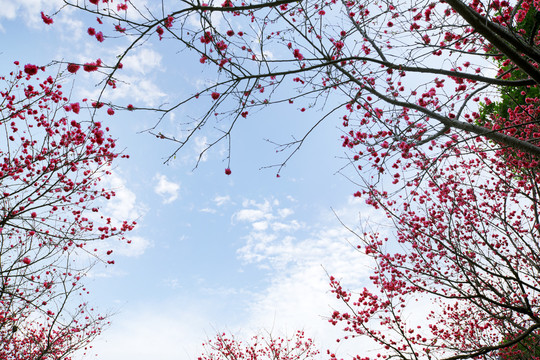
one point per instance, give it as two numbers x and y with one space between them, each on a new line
138 90
299 257
164 331
124 205
200 145
168 190
134 85
222 200
27 10
208 210
143 61
136 247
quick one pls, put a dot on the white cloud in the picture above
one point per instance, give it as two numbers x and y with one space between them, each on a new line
138 90
297 296
9 9
136 9
73 29
215 19
133 85
291 226
28 10
299 258
162 331
221 200
257 212
172 283
133 246
136 247
260 225
200 145
285 212
105 273
251 215
168 190
143 61
123 206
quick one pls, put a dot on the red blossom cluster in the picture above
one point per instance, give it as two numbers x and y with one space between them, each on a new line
223 347
92 66
73 68
46 19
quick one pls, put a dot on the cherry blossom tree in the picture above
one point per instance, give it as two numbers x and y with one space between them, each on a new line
52 159
225 347
405 72
466 241
408 81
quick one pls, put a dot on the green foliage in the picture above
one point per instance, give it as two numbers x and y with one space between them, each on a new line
513 96
516 109
528 348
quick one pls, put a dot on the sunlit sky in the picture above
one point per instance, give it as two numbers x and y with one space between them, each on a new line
247 253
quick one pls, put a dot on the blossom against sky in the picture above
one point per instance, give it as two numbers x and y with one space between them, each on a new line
244 253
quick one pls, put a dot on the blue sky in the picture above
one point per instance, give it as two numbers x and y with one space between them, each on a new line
245 253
